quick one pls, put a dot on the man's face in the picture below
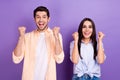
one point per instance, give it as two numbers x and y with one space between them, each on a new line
41 20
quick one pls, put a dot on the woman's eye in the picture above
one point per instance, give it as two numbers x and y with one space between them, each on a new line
84 26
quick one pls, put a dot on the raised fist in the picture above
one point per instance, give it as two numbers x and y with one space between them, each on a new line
75 36
100 35
56 31
21 30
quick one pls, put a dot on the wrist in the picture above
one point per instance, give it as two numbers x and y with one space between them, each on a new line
56 38
21 37
75 42
99 40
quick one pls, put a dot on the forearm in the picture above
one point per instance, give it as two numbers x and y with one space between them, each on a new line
101 55
75 53
58 46
19 48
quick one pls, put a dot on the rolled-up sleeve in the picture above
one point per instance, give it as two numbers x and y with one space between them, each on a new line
71 49
16 59
59 58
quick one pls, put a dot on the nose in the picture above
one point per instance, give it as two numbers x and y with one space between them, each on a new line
87 29
40 19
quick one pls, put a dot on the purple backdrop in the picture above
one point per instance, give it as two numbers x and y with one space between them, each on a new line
67 14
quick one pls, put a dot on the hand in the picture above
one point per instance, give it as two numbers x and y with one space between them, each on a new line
75 36
100 35
56 32
22 30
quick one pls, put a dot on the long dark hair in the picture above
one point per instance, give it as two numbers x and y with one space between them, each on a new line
93 36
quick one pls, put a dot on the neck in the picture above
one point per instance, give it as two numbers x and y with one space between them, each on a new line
86 40
42 30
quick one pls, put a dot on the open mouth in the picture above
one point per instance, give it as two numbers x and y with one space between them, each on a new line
87 33
41 24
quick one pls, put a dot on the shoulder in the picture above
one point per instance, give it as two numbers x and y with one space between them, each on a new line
71 43
29 34
49 31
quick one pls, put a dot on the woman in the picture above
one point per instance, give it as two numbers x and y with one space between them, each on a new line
86 52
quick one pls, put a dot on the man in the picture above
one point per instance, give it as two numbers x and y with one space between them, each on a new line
40 48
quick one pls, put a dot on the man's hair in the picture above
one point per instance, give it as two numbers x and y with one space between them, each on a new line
41 8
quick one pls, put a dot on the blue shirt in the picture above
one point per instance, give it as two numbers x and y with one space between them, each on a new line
87 64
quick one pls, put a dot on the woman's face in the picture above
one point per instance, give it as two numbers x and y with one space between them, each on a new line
87 29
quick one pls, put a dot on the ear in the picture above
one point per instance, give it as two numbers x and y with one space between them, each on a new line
48 19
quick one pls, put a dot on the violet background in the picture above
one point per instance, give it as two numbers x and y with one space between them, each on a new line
66 14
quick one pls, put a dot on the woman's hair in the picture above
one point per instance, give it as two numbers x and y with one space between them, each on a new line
93 36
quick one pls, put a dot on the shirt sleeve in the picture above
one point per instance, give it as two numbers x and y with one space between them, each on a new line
16 59
71 49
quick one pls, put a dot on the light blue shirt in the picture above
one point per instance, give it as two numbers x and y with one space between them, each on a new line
87 64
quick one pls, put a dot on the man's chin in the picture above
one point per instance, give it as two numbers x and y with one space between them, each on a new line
42 29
